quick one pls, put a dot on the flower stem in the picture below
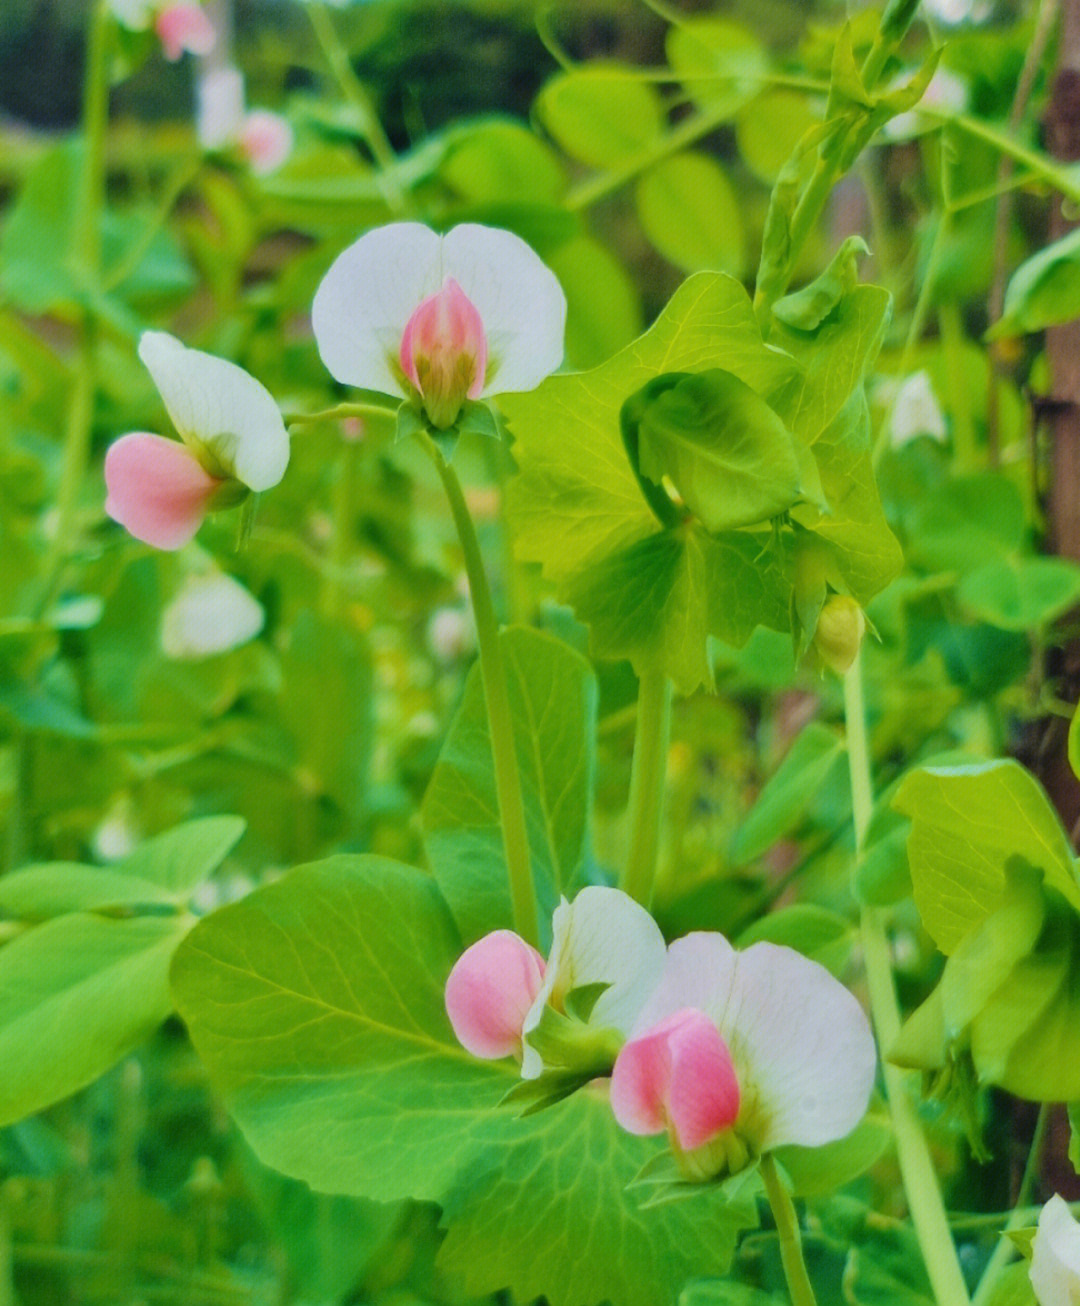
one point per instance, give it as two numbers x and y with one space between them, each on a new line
339 411
647 785
787 1226
497 698
920 1181
1019 1216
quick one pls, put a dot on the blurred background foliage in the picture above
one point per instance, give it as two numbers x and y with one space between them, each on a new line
322 732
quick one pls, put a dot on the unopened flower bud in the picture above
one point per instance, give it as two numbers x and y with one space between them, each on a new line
839 633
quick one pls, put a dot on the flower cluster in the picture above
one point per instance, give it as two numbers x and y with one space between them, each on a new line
182 28
730 1053
440 320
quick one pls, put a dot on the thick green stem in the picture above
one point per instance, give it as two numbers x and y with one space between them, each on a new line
647 785
497 698
787 1226
920 1181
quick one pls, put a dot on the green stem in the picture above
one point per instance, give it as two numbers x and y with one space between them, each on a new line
920 1181
497 698
1060 176
647 785
339 411
333 580
357 95
1005 1249
951 330
787 1226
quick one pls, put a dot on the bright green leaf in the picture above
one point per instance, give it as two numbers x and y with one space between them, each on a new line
820 1171
76 995
968 823
553 706
690 212
600 115
1021 593
498 157
768 129
603 307
820 934
968 522
1043 291
721 62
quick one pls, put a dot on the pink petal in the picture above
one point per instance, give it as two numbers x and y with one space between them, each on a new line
490 991
678 1074
184 28
444 352
157 489
266 140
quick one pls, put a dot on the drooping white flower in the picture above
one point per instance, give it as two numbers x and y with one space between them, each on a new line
602 937
1055 1256
234 440
916 411
765 1030
211 614
182 26
442 319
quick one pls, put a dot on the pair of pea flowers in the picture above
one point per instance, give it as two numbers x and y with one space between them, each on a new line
730 1053
439 320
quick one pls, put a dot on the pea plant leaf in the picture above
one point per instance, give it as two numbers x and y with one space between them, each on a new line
317 1006
967 824
553 706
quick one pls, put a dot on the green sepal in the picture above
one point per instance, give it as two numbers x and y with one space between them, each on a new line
479 418
564 1043
409 421
1022 1239
550 1088
665 1183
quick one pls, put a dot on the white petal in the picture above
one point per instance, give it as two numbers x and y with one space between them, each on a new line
602 937
1055 1256
211 614
219 406
800 1042
807 1046
519 299
366 298
219 106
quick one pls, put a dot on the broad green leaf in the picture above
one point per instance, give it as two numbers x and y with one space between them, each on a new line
37 270
721 62
820 934
1012 1287
658 601
1043 291
966 523
867 554
727 453
820 1171
498 157
600 115
163 870
327 703
603 307
576 506
835 357
576 496
1021 593
689 211
968 823
553 706
726 1292
317 1006
768 128
784 800
76 995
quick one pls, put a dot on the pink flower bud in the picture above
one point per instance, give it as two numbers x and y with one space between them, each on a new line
489 993
444 352
678 1076
266 140
157 489
184 28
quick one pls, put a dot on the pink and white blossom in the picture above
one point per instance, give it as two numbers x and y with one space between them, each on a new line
489 993
182 26
232 440
442 319
263 139
1055 1256
794 1050
602 937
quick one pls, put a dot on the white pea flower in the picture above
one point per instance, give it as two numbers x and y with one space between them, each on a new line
1055 1256
211 614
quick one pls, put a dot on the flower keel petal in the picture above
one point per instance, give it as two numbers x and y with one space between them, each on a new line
157 489
489 991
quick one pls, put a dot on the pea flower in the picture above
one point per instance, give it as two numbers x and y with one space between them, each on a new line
1055 1256
211 614
439 319
737 1053
489 992
182 28
263 139
233 441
